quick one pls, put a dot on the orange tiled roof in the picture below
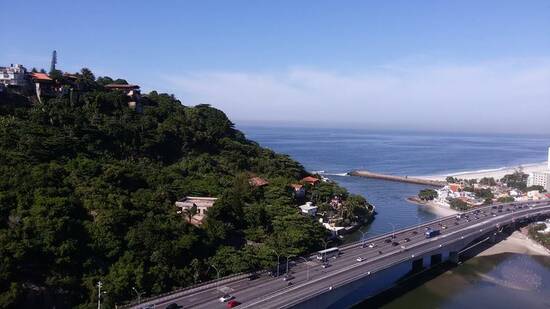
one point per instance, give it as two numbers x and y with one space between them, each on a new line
258 182
310 179
41 76
121 86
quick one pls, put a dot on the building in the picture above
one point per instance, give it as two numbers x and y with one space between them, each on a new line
299 190
43 85
258 182
13 76
202 204
131 91
309 209
310 180
539 179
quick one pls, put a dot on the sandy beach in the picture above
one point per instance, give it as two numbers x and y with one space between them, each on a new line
517 243
495 173
432 207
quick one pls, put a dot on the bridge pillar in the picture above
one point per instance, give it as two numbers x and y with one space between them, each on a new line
453 257
427 261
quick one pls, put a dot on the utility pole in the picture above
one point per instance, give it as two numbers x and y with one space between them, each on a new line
288 257
99 285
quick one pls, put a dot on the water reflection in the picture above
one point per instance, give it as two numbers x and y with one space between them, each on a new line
499 281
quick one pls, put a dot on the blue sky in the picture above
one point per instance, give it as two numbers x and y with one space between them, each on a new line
435 65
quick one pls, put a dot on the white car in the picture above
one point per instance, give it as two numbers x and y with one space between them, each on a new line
226 298
372 245
359 259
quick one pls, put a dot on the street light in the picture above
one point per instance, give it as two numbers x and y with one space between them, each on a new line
363 236
393 226
288 257
99 293
278 263
138 294
307 266
217 274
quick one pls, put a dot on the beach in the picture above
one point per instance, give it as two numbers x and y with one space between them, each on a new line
517 243
494 173
432 207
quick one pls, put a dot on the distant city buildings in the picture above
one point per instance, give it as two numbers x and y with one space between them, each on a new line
540 178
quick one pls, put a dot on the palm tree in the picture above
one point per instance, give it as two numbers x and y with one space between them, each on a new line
190 212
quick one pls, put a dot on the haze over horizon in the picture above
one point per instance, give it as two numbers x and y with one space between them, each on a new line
436 65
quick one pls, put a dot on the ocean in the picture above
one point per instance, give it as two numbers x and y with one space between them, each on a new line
501 281
334 152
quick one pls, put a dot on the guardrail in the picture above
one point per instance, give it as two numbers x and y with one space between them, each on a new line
236 277
486 226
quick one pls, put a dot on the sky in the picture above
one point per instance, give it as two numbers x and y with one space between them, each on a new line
469 66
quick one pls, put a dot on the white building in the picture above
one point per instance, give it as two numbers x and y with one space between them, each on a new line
14 75
201 203
309 209
539 179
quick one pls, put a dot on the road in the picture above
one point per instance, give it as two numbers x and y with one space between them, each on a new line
310 278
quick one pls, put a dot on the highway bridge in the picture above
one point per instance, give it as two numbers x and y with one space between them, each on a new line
363 269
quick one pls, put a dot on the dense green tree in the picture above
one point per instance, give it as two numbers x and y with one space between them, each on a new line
427 194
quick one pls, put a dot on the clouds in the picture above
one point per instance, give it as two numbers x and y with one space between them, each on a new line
508 95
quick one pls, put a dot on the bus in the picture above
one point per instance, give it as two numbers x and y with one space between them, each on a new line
323 255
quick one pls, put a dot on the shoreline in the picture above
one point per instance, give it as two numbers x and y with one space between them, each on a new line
517 242
496 173
432 207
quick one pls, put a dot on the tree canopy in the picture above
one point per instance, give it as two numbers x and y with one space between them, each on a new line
88 192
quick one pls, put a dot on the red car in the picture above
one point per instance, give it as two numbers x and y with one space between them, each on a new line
232 304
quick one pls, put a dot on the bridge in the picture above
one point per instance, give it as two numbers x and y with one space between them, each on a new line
363 269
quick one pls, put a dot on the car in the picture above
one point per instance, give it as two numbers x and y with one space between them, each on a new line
172 306
232 304
325 265
387 241
359 259
494 215
415 232
372 245
403 247
456 223
395 243
494 207
226 298
287 278
444 227
407 239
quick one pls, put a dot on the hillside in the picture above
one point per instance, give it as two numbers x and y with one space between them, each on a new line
88 189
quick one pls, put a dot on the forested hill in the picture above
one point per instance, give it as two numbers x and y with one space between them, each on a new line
87 192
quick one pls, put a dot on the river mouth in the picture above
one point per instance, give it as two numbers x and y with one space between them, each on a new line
506 280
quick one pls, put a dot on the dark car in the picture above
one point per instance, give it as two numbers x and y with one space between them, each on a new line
407 239
395 243
387 241
414 232
174 306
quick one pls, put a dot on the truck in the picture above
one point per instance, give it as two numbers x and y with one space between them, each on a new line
431 233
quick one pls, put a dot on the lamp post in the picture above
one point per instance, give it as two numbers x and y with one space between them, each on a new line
307 267
217 275
363 237
393 226
325 243
278 258
287 258
138 294
99 293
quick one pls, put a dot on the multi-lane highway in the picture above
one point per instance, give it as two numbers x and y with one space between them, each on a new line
308 278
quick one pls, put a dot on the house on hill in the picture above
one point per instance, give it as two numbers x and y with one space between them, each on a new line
258 182
310 180
131 91
201 204
43 85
